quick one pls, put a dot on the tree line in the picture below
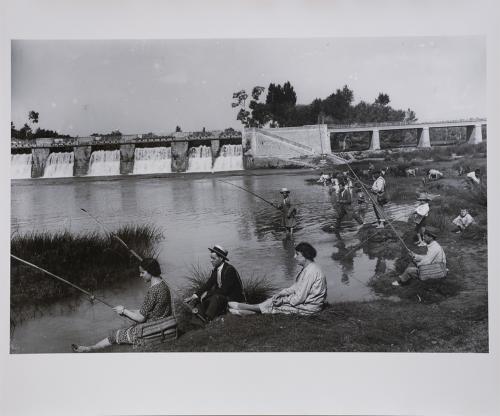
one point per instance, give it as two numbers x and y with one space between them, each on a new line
280 108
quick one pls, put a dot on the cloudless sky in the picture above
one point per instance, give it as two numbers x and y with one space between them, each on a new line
140 86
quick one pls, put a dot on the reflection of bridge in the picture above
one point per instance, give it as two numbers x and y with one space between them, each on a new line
473 130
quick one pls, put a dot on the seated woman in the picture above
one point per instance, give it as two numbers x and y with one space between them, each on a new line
157 305
305 297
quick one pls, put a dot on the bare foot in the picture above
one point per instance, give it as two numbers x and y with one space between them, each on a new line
79 348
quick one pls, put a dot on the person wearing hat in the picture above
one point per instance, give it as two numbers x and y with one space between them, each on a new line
378 189
463 221
223 285
344 206
435 254
305 297
157 305
288 212
420 216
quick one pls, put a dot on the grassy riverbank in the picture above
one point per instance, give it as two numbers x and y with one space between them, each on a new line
445 316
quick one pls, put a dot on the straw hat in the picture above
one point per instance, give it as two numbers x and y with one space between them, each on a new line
284 191
220 251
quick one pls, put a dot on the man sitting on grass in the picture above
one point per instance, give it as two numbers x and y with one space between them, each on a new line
223 285
435 254
305 297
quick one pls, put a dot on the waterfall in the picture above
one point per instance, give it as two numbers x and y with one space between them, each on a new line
230 158
104 163
152 160
59 165
200 159
20 166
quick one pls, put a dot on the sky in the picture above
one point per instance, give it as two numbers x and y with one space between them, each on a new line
140 86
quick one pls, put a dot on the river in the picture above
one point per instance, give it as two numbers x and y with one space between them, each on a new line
194 212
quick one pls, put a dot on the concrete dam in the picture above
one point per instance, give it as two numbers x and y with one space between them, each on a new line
208 152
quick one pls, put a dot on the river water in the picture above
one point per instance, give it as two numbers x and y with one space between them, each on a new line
194 212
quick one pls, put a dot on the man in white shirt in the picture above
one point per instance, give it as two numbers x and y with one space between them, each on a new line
435 254
378 189
463 221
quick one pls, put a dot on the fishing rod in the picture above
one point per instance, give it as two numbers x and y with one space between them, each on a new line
113 235
90 295
250 192
375 203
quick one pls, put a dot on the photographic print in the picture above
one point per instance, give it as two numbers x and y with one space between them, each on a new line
249 195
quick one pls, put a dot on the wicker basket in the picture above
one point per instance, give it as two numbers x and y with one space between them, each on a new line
432 271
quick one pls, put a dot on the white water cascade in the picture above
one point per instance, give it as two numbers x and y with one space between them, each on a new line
230 158
104 163
20 166
152 160
59 165
200 159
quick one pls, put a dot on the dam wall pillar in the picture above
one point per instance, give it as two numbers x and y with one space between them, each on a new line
180 156
82 156
127 152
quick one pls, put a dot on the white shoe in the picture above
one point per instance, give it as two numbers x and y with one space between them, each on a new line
380 226
233 305
395 283
422 244
235 312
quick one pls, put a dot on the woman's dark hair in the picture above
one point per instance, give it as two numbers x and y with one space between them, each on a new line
151 266
307 250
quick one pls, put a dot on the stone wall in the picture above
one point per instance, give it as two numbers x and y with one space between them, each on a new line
284 143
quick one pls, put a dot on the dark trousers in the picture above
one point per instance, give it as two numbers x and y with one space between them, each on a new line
213 305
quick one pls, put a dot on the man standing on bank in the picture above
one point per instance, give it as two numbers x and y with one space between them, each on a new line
224 285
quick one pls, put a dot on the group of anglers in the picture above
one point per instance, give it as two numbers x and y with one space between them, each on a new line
223 292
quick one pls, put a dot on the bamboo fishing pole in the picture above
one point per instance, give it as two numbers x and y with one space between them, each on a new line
113 235
250 192
90 295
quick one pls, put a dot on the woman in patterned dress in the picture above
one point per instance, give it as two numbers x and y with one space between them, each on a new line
157 305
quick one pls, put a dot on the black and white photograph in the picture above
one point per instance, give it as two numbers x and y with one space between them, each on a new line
194 197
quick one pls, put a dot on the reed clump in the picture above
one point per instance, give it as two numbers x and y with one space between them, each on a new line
90 260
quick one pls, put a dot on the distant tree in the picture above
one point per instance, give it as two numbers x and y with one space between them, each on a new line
33 117
25 132
280 103
178 129
382 99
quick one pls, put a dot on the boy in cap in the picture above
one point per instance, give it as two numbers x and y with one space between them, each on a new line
420 216
288 212
435 254
223 285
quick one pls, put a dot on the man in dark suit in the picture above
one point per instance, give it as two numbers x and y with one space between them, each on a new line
224 285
